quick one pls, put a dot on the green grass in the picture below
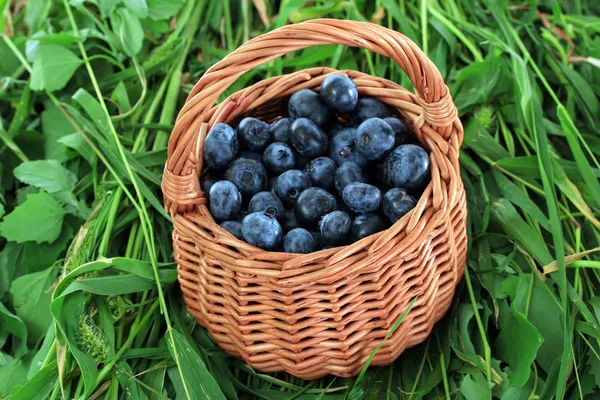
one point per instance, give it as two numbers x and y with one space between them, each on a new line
89 301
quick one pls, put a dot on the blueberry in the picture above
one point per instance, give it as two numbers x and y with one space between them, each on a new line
366 224
262 231
298 240
255 133
307 103
318 239
249 176
339 93
369 107
335 226
271 184
333 130
362 198
253 155
308 139
233 227
220 146
209 180
288 220
266 202
374 138
407 167
401 132
280 130
290 184
342 148
279 157
347 173
396 203
312 204
321 172
302 161
225 200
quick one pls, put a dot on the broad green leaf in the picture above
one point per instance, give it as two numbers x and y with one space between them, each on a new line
475 83
572 134
39 219
41 256
40 386
55 126
514 194
163 9
474 387
31 300
38 359
543 312
568 188
529 167
48 175
128 29
107 6
10 260
35 13
478 139
138 7
505 214
10 323
13 373
198 382
76 142
53 67
517 343
2 212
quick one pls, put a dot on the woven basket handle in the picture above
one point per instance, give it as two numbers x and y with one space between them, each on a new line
439 118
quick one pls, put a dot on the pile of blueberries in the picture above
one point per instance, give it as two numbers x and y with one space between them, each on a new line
338 169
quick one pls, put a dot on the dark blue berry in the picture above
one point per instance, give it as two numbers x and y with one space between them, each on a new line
249 176
347 173
225 200
362 198
369 107
339 93
289 221
318 239
220 146
335 129
312 204
253 155
342 148
266 202
396 203
401 132
255 133
233 227
290 184
307 103
298 240
302 161
322 172
262 231
308 139
367 224
335 226
407 167
281 130
209 180
374 138
279 157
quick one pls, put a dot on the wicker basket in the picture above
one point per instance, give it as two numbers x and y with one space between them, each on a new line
324 312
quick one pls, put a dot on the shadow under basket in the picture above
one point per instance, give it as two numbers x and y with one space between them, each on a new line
320 313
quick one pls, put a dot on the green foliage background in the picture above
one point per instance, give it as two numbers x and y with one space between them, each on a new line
89 89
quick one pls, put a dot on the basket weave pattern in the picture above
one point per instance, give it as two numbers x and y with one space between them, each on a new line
324 312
